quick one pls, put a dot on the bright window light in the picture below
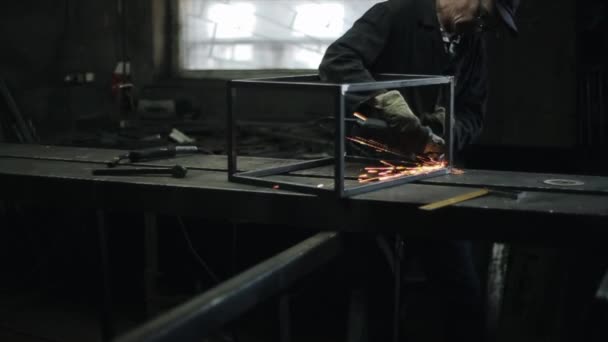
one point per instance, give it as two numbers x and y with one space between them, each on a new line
261 34
319 20
233 20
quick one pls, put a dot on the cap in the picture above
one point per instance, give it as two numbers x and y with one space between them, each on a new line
506 10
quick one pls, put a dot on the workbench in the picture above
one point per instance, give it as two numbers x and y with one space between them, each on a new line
62 176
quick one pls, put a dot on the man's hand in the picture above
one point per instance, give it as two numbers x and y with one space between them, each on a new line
435 145
409 135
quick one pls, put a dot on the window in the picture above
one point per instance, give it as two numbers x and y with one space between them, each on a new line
261 34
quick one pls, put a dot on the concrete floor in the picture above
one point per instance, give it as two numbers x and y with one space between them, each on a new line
41 316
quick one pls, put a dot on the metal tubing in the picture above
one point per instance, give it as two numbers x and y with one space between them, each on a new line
391 183
497 275
450 131
231 134
105 305
283 185
273 171
151 263
397 288
355 87
339 144
211 310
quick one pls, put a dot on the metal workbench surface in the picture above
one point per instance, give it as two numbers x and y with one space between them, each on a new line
62 176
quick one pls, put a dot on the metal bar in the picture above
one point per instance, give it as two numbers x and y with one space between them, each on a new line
151 262
231 127
283 185
390 183
273 171
397 290
355 87
315 87
309 82
105 305
339 144
450 124
497 275
210 311
21 128
308 78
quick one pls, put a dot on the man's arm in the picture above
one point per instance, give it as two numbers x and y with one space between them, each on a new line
349 58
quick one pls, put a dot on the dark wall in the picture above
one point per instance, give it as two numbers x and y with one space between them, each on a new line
533 78
43 41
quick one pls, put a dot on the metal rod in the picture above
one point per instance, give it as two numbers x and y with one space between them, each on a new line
211 310
391 183
497 275
283 185
105 305
273 171
22 130
340 147
151 262
450 124
397 289
231 126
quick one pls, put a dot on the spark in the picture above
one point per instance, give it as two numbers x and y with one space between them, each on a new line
360 116
388 170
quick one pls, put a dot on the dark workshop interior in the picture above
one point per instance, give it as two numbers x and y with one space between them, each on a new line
158 254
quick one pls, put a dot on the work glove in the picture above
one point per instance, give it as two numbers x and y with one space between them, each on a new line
408 134
436 120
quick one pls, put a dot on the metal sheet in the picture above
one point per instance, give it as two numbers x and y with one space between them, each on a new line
523 180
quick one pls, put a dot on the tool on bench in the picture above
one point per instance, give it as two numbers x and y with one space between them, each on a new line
176 171
155 153
164 152
514 195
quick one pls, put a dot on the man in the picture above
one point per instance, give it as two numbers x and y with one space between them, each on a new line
430 37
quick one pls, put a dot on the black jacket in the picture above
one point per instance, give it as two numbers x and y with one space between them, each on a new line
404 37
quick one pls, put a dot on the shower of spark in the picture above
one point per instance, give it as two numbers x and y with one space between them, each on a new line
423 164
393 170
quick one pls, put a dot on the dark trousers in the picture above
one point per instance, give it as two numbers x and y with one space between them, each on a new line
451 274
451 279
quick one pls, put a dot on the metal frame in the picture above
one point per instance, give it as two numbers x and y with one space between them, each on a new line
312 83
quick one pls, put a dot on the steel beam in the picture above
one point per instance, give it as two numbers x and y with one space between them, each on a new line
209 311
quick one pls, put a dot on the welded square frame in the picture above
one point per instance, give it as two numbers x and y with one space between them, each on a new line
339 93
